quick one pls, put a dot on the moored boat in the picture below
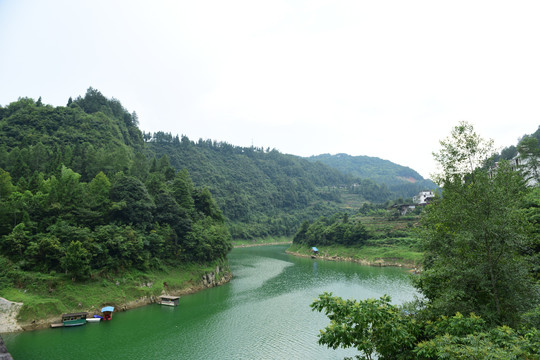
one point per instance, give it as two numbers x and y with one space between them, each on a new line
107 312
74 319
94 319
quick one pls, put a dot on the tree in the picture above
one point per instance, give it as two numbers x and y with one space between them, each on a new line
531 211
16 242
384 331
132 203
461 153
44 252
76 261
373 326
183 190
300 236
206 206
477 240
6 186
473 234
529 155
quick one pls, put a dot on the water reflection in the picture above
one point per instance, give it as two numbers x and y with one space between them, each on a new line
263 313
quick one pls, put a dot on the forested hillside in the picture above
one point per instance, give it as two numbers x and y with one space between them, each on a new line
95 139
263 192
402 181
77 195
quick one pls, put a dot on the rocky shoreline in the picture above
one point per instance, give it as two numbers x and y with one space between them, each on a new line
9 310
4 354
8 315
378 262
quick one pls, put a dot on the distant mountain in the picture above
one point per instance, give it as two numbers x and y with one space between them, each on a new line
403 181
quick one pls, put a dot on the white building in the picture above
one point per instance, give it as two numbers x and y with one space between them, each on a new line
423 197
528 168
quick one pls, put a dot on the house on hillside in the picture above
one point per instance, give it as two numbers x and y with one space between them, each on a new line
529 169
424 197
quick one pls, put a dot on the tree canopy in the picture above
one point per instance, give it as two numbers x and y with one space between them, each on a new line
480 240
77 194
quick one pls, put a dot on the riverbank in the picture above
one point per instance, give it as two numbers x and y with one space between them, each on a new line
282 240
36 310
369 256
262 244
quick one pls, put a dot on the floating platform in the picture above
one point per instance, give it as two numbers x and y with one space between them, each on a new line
169 300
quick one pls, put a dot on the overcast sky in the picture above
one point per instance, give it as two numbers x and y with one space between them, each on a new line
377 78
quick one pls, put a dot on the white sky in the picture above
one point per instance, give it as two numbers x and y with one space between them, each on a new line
378 78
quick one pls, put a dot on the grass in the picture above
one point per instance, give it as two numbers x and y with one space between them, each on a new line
397 253
351 201
46 296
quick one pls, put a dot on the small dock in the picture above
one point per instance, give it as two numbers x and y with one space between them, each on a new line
169 300
57 325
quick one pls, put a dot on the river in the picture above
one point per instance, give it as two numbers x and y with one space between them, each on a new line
263 313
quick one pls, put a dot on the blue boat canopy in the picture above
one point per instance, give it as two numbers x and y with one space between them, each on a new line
315 249
108 308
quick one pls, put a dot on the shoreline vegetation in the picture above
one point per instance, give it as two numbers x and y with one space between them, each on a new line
26 310
368 256
279 240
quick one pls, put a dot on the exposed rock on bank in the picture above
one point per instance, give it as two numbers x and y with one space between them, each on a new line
4 354
8 316
208 280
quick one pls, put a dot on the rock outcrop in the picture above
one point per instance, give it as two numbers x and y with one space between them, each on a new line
212 279
4 354
8 316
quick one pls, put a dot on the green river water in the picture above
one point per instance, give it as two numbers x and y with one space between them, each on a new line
263 313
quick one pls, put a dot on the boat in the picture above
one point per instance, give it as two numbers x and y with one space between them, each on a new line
169 300
94 319
107 312
74 319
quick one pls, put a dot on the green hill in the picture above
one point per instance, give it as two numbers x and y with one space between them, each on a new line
260 192
78 196
263 192
403 181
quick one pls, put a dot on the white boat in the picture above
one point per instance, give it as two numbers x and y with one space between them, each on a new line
93 320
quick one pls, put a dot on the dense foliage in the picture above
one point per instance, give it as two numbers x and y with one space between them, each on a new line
329 231
78 196
82 189
261 191
399 181
513 151
474 236
481 258
381 330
